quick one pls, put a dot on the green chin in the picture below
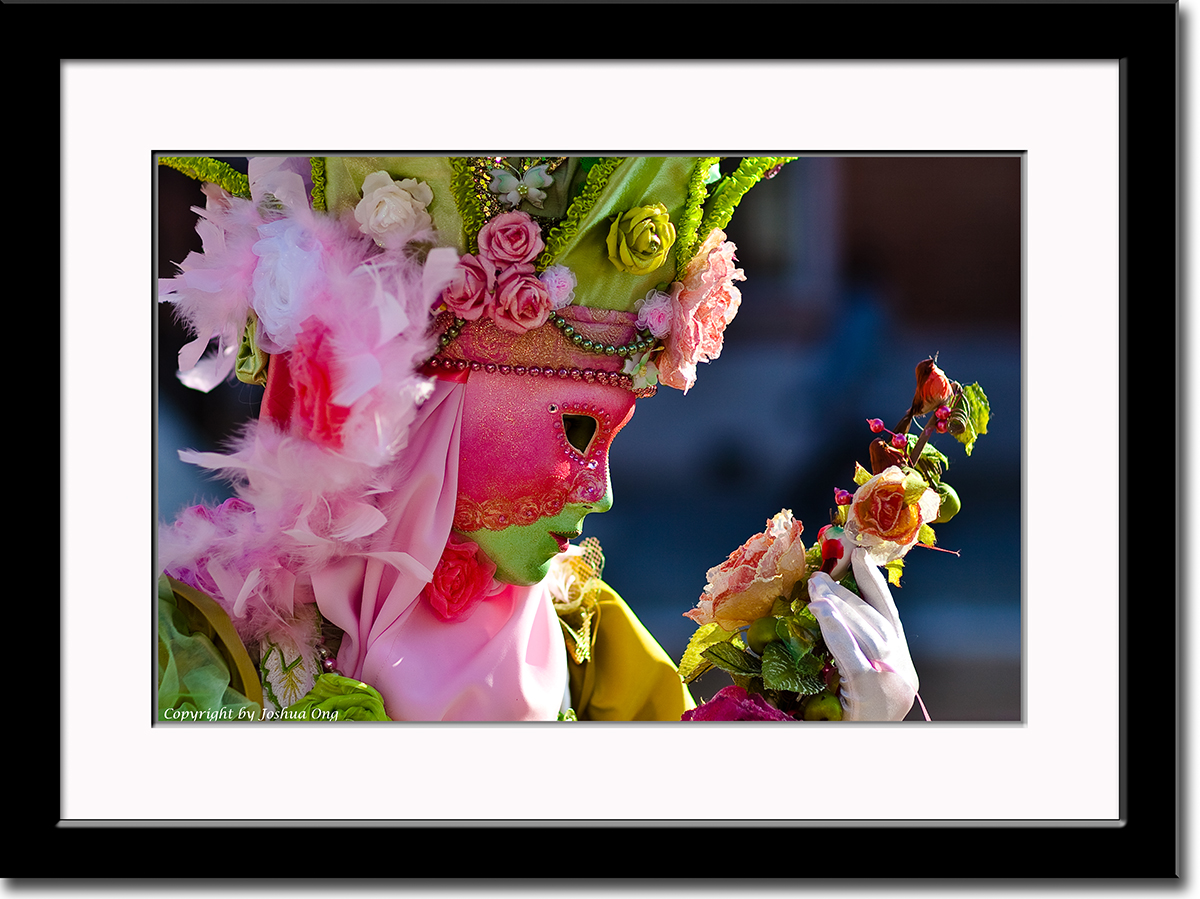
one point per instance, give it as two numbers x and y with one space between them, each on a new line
523 553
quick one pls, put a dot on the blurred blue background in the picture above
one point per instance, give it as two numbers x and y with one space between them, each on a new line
858 267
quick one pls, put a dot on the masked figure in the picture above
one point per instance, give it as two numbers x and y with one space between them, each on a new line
448 347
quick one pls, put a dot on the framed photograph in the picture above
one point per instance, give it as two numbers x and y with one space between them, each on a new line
1006 212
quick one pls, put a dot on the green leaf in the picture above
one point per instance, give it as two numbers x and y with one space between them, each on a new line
806 619
894 569
693 663
732 659
926 535
782 669
914 486
977 418
861 475
932 463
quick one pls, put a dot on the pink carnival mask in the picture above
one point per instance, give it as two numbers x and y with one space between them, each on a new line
539 416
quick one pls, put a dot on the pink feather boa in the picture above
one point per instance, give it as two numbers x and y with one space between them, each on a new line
354 320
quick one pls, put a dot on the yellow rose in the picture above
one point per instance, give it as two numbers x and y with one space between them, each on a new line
640 239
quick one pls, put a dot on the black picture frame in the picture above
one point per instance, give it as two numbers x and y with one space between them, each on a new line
1144 844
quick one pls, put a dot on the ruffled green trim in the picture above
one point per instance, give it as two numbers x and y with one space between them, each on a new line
693 212
462 185
204 168
565 231
729 191
318 182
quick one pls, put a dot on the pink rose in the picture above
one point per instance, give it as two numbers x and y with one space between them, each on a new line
656 313
313 373
510 238
705 301
735 704
742 588
522 301
462 579
560 285
469 292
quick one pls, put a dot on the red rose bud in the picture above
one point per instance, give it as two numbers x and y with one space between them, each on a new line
933 388
884 455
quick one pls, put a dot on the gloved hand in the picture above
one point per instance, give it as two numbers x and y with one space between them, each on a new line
866 638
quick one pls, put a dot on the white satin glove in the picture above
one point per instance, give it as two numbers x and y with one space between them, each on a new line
867 641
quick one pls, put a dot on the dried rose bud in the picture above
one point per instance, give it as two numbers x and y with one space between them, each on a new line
884 456
933 388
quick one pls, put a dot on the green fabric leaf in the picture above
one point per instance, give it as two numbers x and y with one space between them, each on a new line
978 415
733 659
693 663
783 669
932 463
894 569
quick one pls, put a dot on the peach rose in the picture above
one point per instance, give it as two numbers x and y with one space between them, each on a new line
705 301
742 588
886 515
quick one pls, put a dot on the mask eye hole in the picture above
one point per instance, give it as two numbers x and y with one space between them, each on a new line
579 431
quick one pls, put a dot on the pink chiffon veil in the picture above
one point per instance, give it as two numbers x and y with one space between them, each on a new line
506 661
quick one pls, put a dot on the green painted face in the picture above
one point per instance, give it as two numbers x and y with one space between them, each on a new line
533 465
523 553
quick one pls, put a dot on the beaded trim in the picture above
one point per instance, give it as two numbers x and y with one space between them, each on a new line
591 376
644 342
570 331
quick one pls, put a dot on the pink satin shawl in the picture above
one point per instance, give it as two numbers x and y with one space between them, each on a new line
506 662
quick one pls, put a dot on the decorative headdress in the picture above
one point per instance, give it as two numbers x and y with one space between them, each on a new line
347 286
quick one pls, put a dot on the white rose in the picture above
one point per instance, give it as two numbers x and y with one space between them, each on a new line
393 212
